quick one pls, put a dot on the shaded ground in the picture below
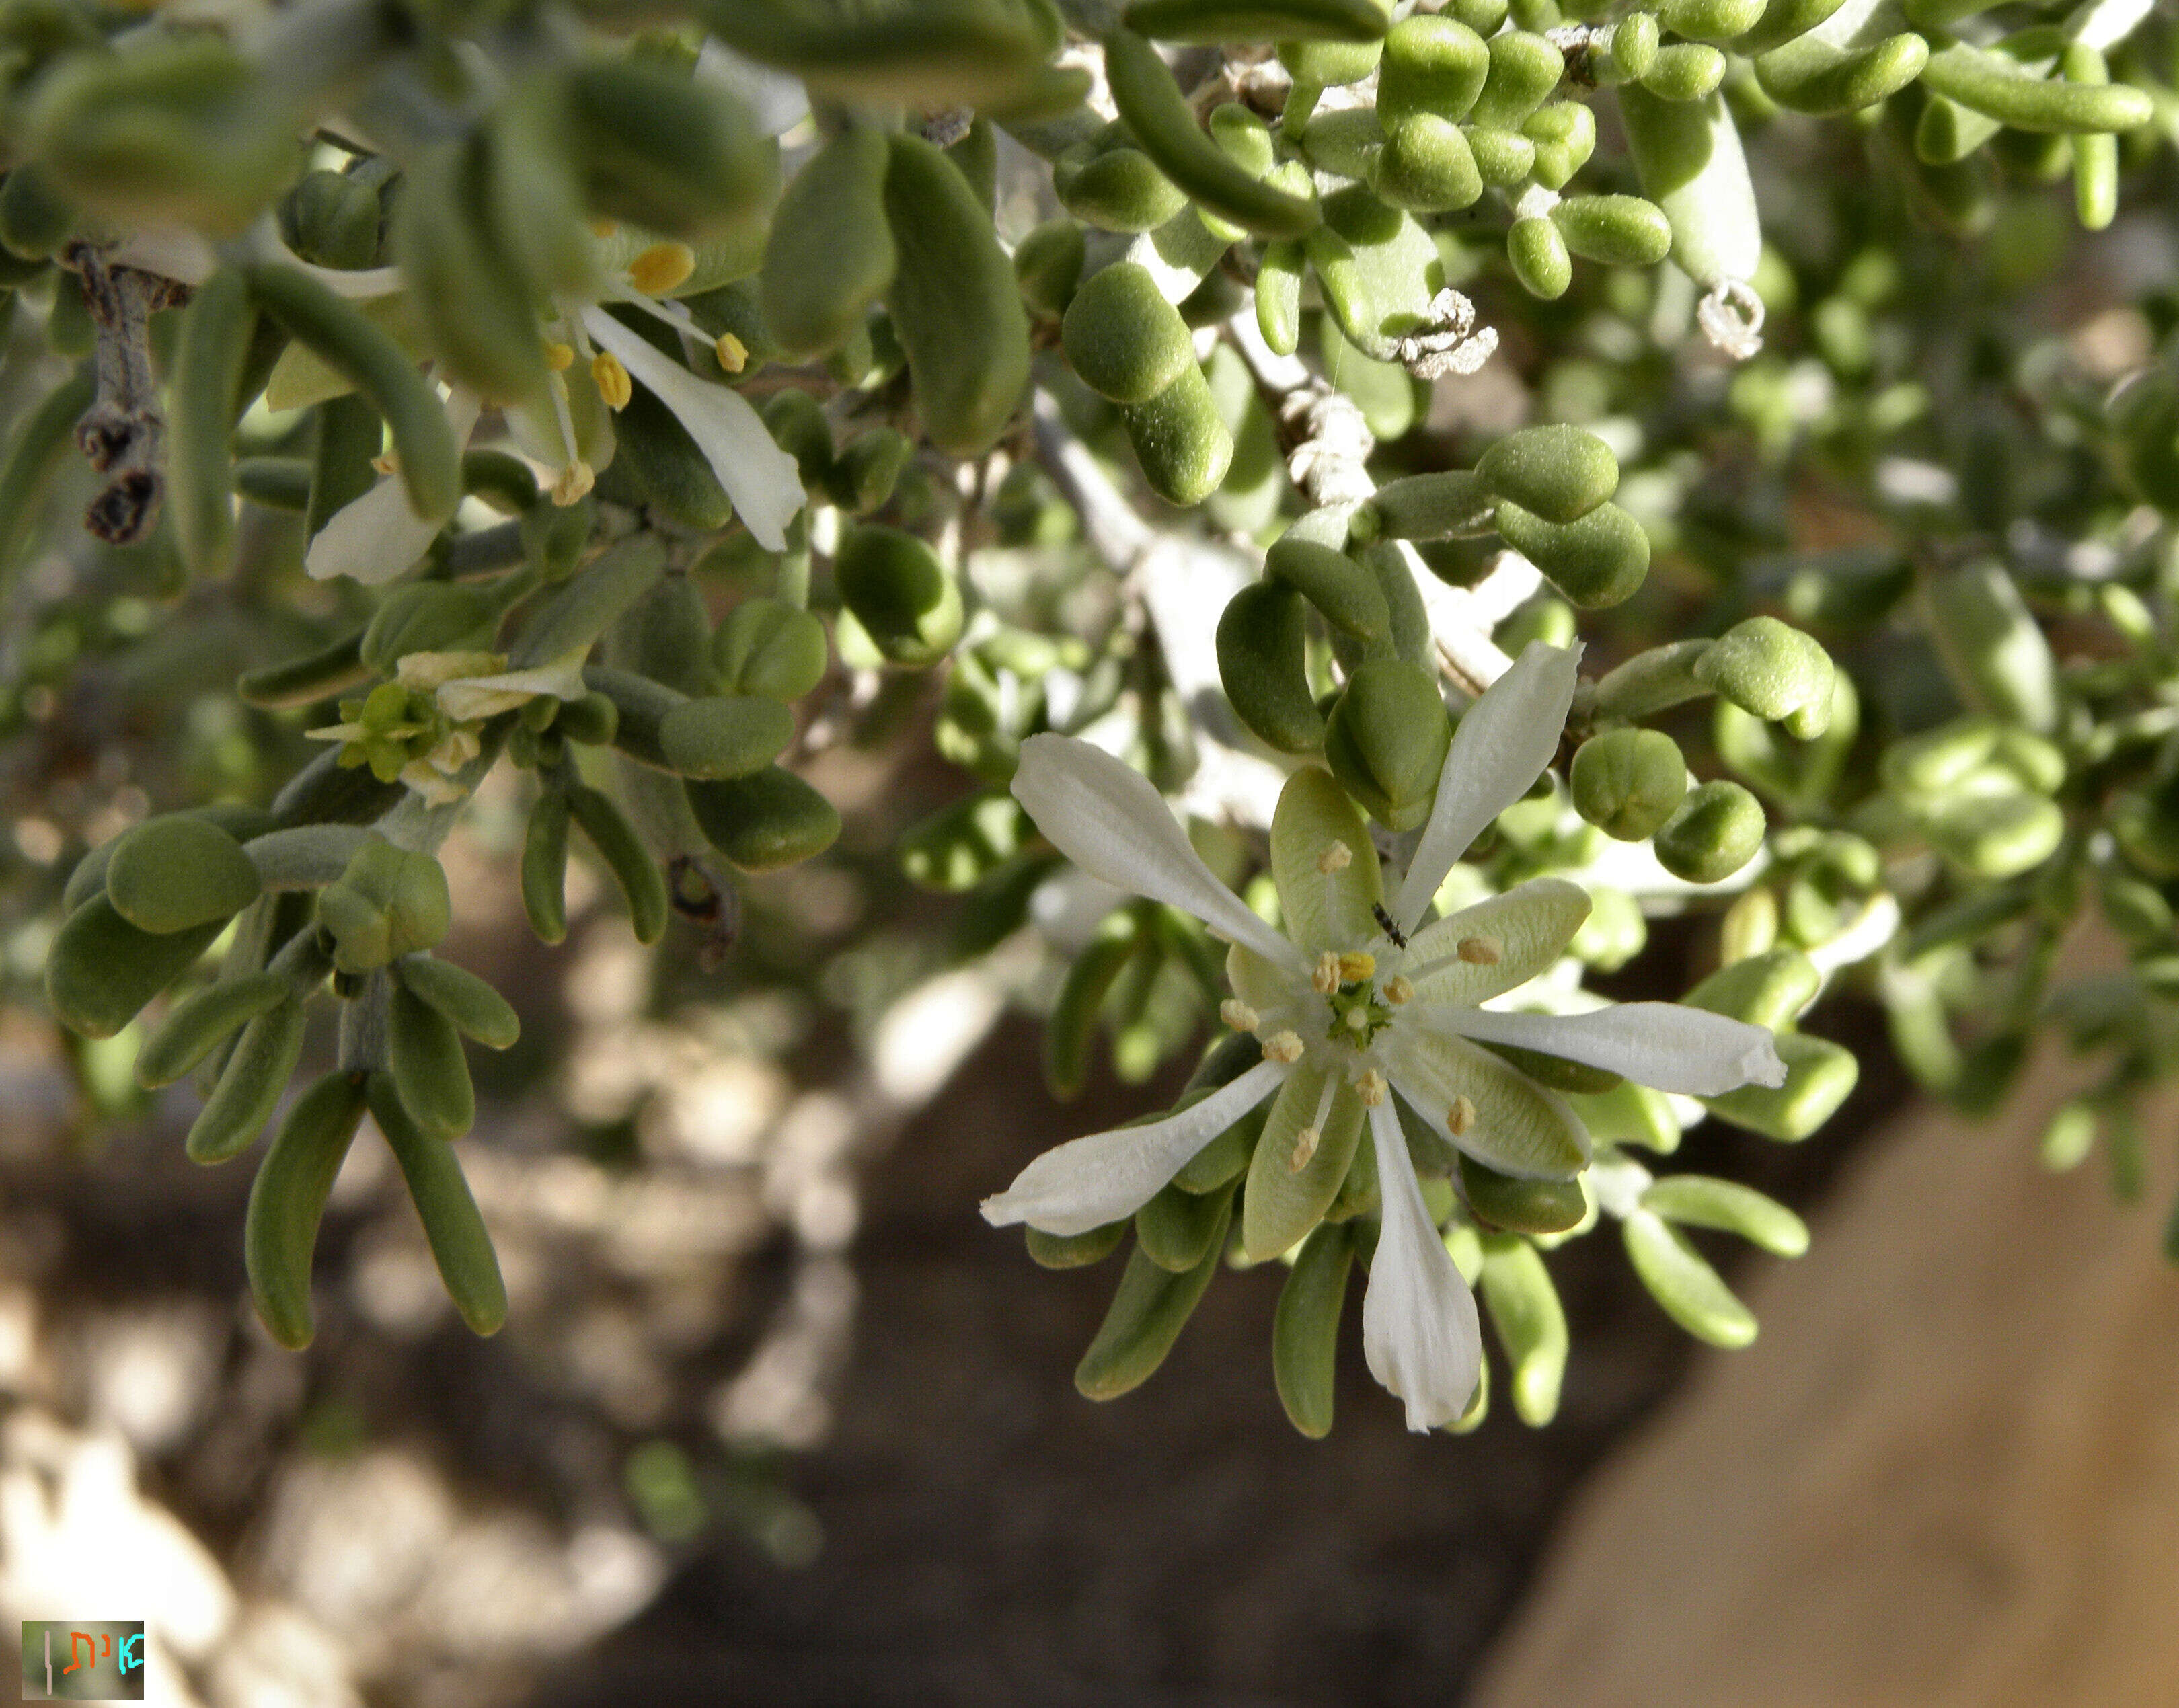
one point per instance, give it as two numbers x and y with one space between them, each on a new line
992 1538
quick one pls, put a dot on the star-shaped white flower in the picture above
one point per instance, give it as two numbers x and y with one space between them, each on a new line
1350 1009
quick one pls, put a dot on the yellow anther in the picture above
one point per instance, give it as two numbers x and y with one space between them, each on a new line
1461 1117
1356 965
386 462
559 357
1481 951
1372 1090
613 383
731 352
1238 1014
1283 1046
1336 858
1398 990
1326 979
1304 1148
604 229
662 267
572 483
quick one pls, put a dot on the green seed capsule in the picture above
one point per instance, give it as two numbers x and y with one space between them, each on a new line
622 847
766 820
287 1200
210 349
1434 65
195 1028
424 1054
177 872
1993 647
1684 1284
1048 265
1123 338
1165 124
1997 84
461 1246
389 902
1524 69
476 1010
1699 1202
1075 1250
954 302
1263 662
1628 782
830 254
1427 165
1345 593
1385 741
1525 1309
1305 1329
332 220
900 593
102 969
1684 71
718 737
1616 230
1208 23
1180 440
1819 1075
1521 1206
544 867
1715 831
1558 473
1538 251
378 368
1767 668
1119 190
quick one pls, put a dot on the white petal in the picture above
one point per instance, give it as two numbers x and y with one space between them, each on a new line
761 479
1086 1182
170 251
471 697
1104 816
1660 1045
1498 748
377 537
1419 1328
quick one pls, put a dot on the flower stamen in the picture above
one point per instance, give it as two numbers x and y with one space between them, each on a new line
1357 966
1480 951
731 352
1304 1148
1372 1088
662 267
613 381
1326 979
1398 990
1238 1014
1461 1117
1284 1047
1336 858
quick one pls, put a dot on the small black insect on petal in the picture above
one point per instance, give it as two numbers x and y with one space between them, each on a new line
1384 920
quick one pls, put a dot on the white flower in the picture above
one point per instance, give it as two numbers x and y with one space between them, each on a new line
761 479
377 537
1347 1009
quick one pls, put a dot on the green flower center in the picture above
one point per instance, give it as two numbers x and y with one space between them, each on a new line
1358 1014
